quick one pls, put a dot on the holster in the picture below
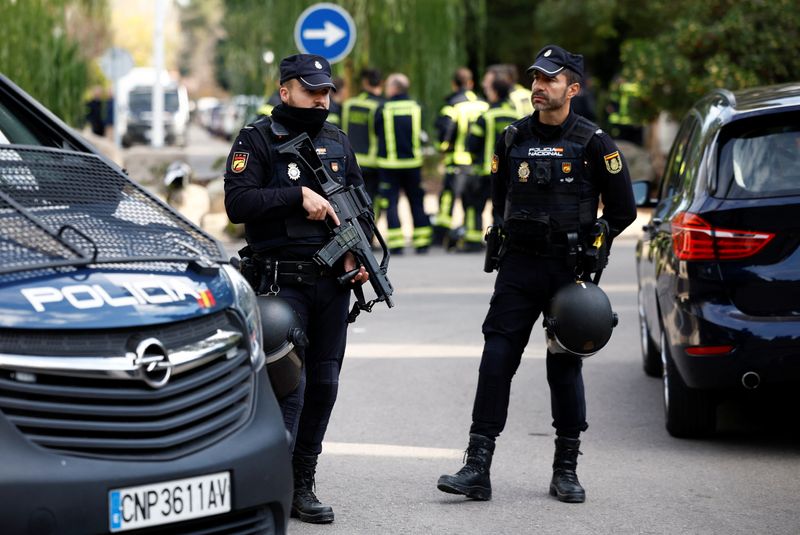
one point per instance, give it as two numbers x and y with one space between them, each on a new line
494 248
596 248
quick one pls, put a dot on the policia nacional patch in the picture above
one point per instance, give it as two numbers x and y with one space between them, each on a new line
495 163
239 161
613 162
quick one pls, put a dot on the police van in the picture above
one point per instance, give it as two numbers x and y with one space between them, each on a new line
133 394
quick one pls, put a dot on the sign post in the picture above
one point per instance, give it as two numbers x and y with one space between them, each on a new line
326 30
116 63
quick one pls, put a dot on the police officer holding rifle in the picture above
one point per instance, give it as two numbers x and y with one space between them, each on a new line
305 246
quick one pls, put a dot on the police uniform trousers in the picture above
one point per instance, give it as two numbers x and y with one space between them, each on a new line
524 285
323 309
409 181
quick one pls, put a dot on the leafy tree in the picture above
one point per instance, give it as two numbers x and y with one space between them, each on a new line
425 39
597 29
718 43
41 53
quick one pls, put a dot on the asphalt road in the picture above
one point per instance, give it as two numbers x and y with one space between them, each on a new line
403 415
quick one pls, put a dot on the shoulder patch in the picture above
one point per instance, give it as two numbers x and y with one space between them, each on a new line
613 162
239 161
495 163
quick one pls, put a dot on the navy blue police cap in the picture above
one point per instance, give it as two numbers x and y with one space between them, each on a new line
553 59
313 71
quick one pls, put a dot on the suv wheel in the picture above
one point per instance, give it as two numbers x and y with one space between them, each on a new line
651 359
689 413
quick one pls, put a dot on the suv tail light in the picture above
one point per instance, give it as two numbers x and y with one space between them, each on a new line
693 238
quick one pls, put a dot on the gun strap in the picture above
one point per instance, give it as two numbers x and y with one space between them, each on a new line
359 305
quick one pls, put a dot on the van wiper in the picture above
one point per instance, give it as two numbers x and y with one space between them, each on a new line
57 236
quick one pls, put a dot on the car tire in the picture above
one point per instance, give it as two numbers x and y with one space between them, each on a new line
689 413
651 358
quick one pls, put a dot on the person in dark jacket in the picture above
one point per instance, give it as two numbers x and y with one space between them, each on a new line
287 220
549 171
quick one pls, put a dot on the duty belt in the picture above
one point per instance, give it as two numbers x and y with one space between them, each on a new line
289 272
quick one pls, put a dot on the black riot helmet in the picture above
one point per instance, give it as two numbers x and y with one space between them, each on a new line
283 335
579 320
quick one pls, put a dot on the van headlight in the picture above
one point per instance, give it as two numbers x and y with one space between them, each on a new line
245 301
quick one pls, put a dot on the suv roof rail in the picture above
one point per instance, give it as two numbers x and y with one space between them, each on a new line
727 94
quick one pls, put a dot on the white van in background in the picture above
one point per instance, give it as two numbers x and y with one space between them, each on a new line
136 95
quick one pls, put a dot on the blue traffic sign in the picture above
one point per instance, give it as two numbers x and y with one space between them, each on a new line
326 30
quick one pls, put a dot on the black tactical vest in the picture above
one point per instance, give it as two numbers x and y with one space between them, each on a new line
550 194
287 172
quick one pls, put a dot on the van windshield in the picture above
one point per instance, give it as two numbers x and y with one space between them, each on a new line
141 100
761 157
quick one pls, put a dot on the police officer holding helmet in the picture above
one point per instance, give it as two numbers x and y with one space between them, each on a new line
286 222
549 171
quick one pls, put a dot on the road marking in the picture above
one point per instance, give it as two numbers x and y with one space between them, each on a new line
473 290
389 450
425 351
445 290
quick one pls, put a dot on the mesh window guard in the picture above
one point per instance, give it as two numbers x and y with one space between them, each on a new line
62 208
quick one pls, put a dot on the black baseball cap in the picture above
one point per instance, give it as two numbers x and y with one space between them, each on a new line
313 71
553 59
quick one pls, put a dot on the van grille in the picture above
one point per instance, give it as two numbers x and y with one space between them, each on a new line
114 418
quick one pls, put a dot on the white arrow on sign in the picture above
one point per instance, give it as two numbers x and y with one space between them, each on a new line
330 32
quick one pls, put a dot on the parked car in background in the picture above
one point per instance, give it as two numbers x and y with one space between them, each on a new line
133 390
719 262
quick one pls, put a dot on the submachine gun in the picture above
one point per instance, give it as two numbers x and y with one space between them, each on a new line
348 203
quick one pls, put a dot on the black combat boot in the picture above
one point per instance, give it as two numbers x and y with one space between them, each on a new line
473 479
565 485
305 504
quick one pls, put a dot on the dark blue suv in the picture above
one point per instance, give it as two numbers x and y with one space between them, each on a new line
719 262
133 390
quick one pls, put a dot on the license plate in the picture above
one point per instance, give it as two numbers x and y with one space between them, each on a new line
169 501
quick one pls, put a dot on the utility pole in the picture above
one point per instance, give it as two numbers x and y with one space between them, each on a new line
157 131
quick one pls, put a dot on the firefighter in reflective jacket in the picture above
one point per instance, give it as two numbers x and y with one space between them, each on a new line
549 171
267 107
462 108
398 127
482 138
519 95
358 122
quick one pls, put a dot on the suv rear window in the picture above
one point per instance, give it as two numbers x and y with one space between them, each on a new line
760 157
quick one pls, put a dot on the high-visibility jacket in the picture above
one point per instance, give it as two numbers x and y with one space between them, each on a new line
484 134
398 126
358 122
267 107
626 93
455 119
335 114
521 98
